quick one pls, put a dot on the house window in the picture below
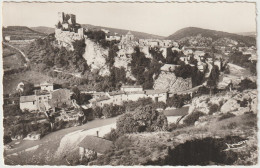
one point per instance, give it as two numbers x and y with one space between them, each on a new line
33 102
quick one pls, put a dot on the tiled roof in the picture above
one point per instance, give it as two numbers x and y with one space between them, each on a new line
97 144
116 93
30 98
155 91
131 86
176 112
102 98
135 92
46 84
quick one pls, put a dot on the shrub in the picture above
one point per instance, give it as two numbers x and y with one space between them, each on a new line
213 108
7 139
112 135
193 117
225 116
144 119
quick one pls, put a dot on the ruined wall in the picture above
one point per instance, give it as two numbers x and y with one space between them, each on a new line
65 38
168 80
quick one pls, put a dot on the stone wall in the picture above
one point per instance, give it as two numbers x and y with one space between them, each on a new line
65 38
168 80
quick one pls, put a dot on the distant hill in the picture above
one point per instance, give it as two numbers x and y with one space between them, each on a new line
250 34
21 33
139 35
215 35
43 29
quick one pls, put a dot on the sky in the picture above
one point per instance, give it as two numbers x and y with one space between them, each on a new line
156 18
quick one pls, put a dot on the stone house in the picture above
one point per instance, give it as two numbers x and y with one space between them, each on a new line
47 86
60 98
157 95
28 102
91 147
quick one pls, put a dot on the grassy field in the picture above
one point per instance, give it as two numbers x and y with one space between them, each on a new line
12 59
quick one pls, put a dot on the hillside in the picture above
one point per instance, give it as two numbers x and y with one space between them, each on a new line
43 29
139 35
250 34
215 35
21 33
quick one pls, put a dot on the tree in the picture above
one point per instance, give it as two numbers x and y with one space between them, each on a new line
172 56
76 94
184 71
213 78
28 89
144 119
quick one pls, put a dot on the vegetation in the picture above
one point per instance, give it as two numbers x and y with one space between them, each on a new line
144 119
186 71
144 69
225 116
45 55
246 84
178 100
213 78
213 108
193 117
243 60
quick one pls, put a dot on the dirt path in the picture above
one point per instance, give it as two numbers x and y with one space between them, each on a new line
23 54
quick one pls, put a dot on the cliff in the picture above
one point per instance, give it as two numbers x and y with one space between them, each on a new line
95 57
168 80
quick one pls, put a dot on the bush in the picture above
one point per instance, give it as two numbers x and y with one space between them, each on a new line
247 84
213 108
193 117
7 139
225 116
144 119
112 135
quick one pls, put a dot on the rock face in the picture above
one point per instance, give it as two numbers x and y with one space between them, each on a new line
168 80
228 102
95 56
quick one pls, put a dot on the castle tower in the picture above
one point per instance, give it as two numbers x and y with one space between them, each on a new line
60 17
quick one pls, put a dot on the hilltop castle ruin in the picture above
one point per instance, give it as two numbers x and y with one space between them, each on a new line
68 30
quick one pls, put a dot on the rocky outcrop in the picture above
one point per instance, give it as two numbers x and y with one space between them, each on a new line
168 80
227 102
95 56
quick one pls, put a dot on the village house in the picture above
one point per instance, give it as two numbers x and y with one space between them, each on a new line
47 86
131 93
199 55
131 88
110 37
157 95
91 147
28 102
